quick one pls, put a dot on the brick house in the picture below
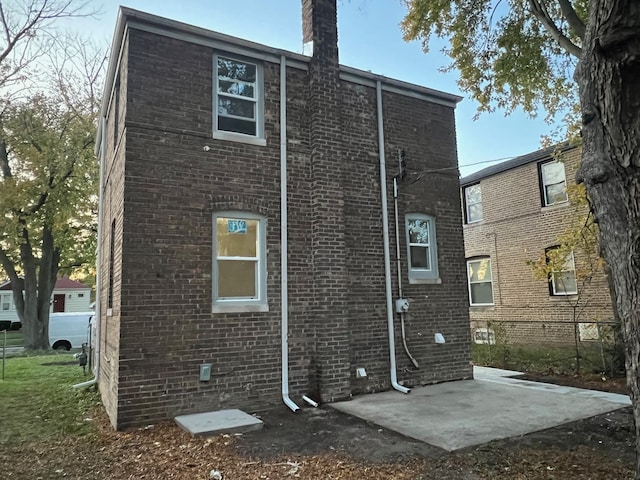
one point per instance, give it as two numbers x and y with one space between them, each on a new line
513 213
245 242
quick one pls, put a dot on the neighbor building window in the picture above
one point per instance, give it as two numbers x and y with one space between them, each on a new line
473 203
421 246
563 281
6 301
239 263
480 281
238 102
553 183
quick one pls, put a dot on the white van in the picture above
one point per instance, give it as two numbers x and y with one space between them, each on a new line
69 330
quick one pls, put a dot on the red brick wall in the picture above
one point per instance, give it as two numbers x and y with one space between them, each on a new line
515 229
337 309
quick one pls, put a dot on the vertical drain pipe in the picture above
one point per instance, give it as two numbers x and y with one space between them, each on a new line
387 256
283 237
98 308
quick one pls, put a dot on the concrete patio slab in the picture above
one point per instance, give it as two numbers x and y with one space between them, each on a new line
459 414
216 423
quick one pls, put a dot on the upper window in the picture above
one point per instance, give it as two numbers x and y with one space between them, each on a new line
473 203
480 281
238 104
421 245
563 281
553 183
239 263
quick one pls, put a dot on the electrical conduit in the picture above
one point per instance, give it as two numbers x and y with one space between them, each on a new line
387 256
395 207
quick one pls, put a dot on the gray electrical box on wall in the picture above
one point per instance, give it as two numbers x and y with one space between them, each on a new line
205 372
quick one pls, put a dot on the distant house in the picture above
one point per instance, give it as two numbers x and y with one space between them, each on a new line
514 212
248 224
68 296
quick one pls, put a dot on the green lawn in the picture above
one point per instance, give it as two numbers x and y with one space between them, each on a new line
38 402
13 338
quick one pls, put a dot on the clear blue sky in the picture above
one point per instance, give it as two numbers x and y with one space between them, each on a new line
369 39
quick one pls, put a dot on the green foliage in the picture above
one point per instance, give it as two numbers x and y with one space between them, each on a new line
53 178
38 402
505 56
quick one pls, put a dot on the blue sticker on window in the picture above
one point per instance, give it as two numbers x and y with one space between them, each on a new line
237 226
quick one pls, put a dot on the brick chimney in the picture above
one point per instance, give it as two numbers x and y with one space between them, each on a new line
320 29
328 229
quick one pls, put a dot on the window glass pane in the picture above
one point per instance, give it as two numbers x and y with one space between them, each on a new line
234 242
236 88
236 107
474 194
553 172
474 213
480 270
481 293
228 124
234 69
419 231
565 283
237 278
556 193
420 257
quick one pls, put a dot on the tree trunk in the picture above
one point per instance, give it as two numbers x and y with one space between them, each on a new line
609 78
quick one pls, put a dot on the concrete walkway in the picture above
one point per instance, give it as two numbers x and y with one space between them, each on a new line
455 415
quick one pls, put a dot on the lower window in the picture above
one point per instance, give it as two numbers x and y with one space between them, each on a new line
239 262
480 281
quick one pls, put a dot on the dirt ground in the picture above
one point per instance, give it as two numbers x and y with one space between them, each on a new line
325 444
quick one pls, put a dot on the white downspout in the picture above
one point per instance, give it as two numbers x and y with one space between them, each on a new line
97 317
283 236
387 256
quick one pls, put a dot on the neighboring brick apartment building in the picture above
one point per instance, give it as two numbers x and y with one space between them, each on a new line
513 213
214 292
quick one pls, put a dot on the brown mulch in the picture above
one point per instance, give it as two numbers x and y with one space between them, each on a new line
325 444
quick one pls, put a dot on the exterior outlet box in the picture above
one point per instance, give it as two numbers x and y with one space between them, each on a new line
439 338
402 305
361 373
205 372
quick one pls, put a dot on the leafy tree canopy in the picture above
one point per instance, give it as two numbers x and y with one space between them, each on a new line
506 56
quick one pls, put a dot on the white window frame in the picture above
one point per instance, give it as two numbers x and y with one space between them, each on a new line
569 260
7 298
467 204
258 138
417 274
242 304
470 282
544 185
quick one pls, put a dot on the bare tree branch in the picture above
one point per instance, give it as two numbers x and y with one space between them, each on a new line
575 22
539 10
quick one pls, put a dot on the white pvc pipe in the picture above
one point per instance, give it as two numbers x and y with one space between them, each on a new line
283 237
97 316
309 401
387 256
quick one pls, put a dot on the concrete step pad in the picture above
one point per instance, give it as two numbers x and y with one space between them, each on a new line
216 423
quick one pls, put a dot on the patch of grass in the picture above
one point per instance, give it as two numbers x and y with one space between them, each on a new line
38 403
539 359
14 338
